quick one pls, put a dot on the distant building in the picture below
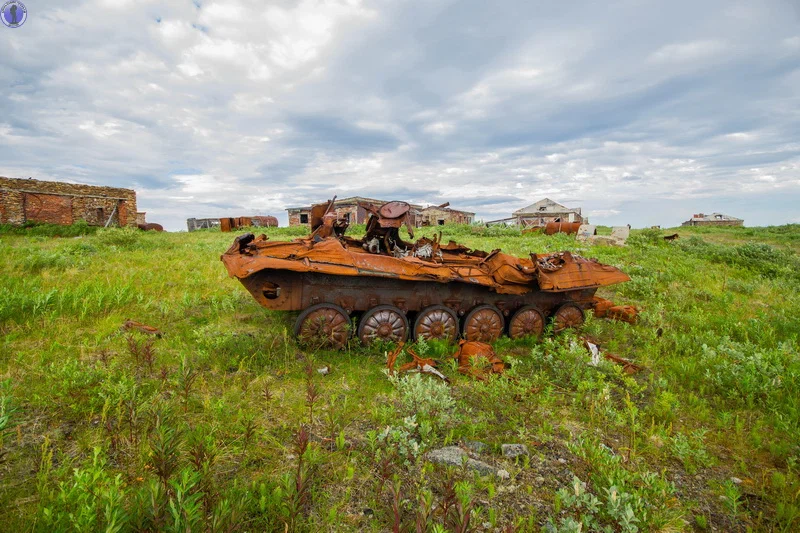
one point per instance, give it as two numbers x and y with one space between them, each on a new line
346 208
544 211
439 215
54 202
714 219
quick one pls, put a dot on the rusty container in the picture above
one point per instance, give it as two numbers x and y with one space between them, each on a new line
570 228
381 287
226 223
265 221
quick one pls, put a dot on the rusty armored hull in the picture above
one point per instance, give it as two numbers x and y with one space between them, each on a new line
396 289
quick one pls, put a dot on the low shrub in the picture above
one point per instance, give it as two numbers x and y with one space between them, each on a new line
38 229
125 238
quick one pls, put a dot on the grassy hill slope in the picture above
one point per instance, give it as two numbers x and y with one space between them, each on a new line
224 424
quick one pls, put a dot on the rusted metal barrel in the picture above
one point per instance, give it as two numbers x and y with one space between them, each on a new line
561 227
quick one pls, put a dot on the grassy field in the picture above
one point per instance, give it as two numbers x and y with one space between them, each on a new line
224 424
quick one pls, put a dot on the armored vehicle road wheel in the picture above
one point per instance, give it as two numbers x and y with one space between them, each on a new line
436 322
568 315
526 321
385 323
484 323
323 325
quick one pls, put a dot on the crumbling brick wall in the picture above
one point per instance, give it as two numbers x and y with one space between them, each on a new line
294 217
29 200
350 212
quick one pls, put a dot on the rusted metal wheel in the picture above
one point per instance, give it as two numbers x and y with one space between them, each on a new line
484 323
436 322
526 321
569 315
323 325
383 322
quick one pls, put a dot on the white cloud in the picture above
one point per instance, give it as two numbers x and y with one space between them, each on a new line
439 128
603 213
240 107
688 52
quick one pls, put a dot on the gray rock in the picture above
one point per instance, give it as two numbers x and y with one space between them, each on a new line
585 232
455 456
512 451
475 446
620 233
736 480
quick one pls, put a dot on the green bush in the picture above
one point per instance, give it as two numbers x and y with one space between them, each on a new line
758 257
423 396
125 238
645 237
49 230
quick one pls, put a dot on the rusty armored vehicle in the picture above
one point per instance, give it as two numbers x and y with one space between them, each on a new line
422 289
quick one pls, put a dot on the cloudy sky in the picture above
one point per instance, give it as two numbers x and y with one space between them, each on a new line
639 111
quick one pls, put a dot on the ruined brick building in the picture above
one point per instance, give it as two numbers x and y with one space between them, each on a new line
30 200
439 215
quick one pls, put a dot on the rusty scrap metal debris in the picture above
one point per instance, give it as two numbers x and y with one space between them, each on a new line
607 309
391 357
410 289
629 367
150 226
418 364
143 328
478 359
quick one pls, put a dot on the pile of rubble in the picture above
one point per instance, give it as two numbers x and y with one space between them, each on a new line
588 233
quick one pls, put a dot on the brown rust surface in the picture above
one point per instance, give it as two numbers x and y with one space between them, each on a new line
607 309
478 359
503 273
570 228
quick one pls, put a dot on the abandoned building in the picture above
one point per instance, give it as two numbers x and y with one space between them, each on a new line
439 215
30 200
229 223
714 219
539 214
346 208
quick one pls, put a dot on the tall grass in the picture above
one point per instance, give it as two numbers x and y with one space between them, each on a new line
213 426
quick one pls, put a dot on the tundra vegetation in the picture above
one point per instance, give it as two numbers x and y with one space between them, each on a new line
223 422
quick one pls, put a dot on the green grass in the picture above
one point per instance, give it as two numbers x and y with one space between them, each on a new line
223 423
